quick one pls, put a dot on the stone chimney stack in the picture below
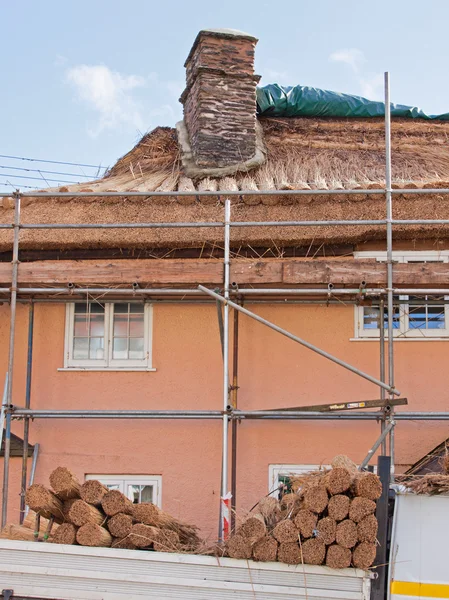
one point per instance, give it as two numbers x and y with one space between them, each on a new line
220 100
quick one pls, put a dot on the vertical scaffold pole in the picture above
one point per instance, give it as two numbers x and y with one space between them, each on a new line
389 207
224 526
12 331
382 366
26 421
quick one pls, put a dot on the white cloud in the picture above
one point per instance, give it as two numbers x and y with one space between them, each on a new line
350 56
373 86
109 94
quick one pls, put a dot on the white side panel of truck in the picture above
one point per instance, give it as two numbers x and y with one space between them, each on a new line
419 565
59 572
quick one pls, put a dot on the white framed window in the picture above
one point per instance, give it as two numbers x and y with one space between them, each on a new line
138 488
414 317
108 335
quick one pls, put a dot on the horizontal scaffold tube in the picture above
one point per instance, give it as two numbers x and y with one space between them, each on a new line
20 413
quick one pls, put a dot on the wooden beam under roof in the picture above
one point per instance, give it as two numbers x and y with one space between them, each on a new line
277 272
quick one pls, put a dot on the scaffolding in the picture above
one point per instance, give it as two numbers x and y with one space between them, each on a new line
230 413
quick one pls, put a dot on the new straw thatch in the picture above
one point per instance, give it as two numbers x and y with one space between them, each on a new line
142 535
346 534
30 522
238 547
290 553
115 502
150 514
123 543
306 522
65 534
360 508
364 555
65 484
166 541
338 557
44 502
368 485
302 154
429 484
253 528
265 550
17 532
313 551
338 480
326 530
92 492
79 513
93 535
120 525
316 498
367 529
338 507
270 509
285 531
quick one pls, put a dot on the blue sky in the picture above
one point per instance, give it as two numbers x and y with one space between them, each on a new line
82 81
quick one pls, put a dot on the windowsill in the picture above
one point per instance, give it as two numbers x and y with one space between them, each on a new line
402 339
107 369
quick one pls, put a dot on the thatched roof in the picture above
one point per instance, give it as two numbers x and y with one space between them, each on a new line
302 153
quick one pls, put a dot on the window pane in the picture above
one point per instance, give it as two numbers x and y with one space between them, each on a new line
417 317
81 348
136 308
121 307
81 328
140 493
121 325
146 493
136 325
120 348
136 348
91 307
112 486
436 318
134 493
371 317
97 325
96 348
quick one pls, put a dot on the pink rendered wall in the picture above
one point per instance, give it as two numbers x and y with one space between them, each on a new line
273 372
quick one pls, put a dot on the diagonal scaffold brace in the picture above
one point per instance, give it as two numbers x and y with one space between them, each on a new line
304 343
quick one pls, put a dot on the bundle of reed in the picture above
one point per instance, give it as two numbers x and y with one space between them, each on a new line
115 502
149 514
120 525
93 535
17 532
430 484
79 513
30 522
44 502
143 536
64 483
328 519
66 534
92 492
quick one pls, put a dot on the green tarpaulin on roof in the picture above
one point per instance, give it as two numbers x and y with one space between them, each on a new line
302 101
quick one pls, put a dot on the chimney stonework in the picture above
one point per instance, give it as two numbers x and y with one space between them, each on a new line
220 99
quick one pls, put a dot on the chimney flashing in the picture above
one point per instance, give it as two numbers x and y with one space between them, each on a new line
192 170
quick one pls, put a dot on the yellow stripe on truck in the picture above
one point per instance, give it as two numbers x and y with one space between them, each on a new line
423 590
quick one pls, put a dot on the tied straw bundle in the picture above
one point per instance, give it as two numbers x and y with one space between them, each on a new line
327 519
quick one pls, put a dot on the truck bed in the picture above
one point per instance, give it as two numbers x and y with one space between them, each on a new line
42 570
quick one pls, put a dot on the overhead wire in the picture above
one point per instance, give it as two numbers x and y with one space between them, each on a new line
54 162
42 171
37 178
